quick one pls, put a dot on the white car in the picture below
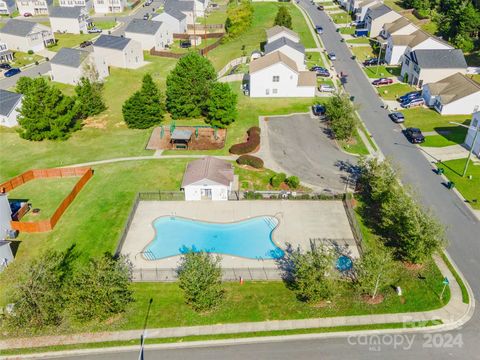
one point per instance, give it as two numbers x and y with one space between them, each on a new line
326 88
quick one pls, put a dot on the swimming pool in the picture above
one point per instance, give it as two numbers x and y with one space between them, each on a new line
250 238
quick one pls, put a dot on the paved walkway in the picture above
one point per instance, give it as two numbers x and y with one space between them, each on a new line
446 153
454 314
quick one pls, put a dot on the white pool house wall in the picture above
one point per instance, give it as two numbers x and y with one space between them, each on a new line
206 189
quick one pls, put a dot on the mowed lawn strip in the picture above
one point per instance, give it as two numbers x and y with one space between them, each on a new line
430 120
392 92
70 40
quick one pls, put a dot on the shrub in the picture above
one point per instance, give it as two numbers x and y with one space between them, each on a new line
292 182
250 160
253 141
30 52
277 179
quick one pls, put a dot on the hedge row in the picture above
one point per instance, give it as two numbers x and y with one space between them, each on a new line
250 160
253 141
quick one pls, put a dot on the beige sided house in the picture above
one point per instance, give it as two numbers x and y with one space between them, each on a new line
278 32
71 3
377 16
73 20
185 7
22 35
70 65
34 7
119 51
151 34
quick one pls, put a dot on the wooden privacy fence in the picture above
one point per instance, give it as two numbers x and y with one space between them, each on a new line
48 224
184 36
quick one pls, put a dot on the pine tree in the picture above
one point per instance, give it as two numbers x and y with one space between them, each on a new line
283 17
221 105
89 100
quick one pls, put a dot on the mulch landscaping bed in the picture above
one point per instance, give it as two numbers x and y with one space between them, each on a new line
205 140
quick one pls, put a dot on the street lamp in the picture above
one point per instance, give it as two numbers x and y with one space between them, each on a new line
379 54
142 337
477 130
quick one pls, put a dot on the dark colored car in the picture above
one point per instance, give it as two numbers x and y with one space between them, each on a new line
410 96
146 16
27 14
5 66
86 43
382 81
323 73
332 56
414 135
320 7
12 71
148 2
317 68
397 117
319 29
373 61
185 44
318 110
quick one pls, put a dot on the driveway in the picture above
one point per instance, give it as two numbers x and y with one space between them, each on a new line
300 145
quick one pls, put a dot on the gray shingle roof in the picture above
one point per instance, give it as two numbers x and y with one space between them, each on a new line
18 27
10 3
439 58
179 5
277 44
140 26
70 57
8 101
66 12
112 42
377 11
175 13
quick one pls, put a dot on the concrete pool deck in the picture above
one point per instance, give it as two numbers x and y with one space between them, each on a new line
300 221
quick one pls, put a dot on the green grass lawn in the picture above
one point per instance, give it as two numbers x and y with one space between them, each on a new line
105 24
341 18
257 179
349 30
392 92
314 58
450 136
21 59
475 77
216 16
263 17
44 194
363 52
430 120
470 189
354 145
175 46
376 72
360 40
70 40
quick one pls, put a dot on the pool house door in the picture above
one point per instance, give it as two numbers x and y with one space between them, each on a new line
206 194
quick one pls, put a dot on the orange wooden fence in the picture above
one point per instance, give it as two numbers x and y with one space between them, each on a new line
48 224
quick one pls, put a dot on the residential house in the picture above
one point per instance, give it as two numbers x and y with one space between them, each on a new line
208 178
151 34
34 7
6 55
292 49
278 32
10 103
73 20
185 7
472 130
377 16
277 75
23 35
428 66
70 65
361 8
7 7
119 51
398 45
453 95
6 254
401 26
109 6
87 4
174 20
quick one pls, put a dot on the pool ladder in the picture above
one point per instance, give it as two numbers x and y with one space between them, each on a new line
149 255
270 223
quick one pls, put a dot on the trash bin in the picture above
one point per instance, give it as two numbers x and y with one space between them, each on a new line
353 57
352 98
440 171
450 185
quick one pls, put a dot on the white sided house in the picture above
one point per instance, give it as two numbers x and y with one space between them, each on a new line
277 75
22 35
428 66
474 128
109 6
151 34
119 51
87 4
70 65
278 32
362 8
175 21
454 95
293 50
34 7
7 7
208 178
10 103
6 55
377 16
185 7
73 20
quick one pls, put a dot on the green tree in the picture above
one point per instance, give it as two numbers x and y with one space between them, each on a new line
375 270
200 278
283 17
144 108
312 276
23 84
101 288
221 105
189 85
89 100
239 19
46 113
341 115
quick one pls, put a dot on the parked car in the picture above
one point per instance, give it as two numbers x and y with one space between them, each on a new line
5 66
323 73
397 117
319 29
317 68
185 44
148 2
412 103
382 81
27 14
410 96
414 135
12 71
94 30
320 7
319 110
373 61
332 56
86 43
326 88
146 16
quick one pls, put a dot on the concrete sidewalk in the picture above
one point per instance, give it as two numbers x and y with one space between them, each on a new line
453 315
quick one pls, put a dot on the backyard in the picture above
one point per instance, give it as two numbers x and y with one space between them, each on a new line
376 72
392 92
430 120
21 59
70 40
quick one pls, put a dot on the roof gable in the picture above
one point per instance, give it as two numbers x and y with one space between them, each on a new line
208 168
439 58
18 27
176 14
377 11
272 59
112 42
65 12
140 26
283 41
70 57
453 88
8 101
279 29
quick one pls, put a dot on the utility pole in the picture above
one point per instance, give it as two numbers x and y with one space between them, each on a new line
477 130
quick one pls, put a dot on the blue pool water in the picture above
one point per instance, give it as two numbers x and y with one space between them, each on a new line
250 238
